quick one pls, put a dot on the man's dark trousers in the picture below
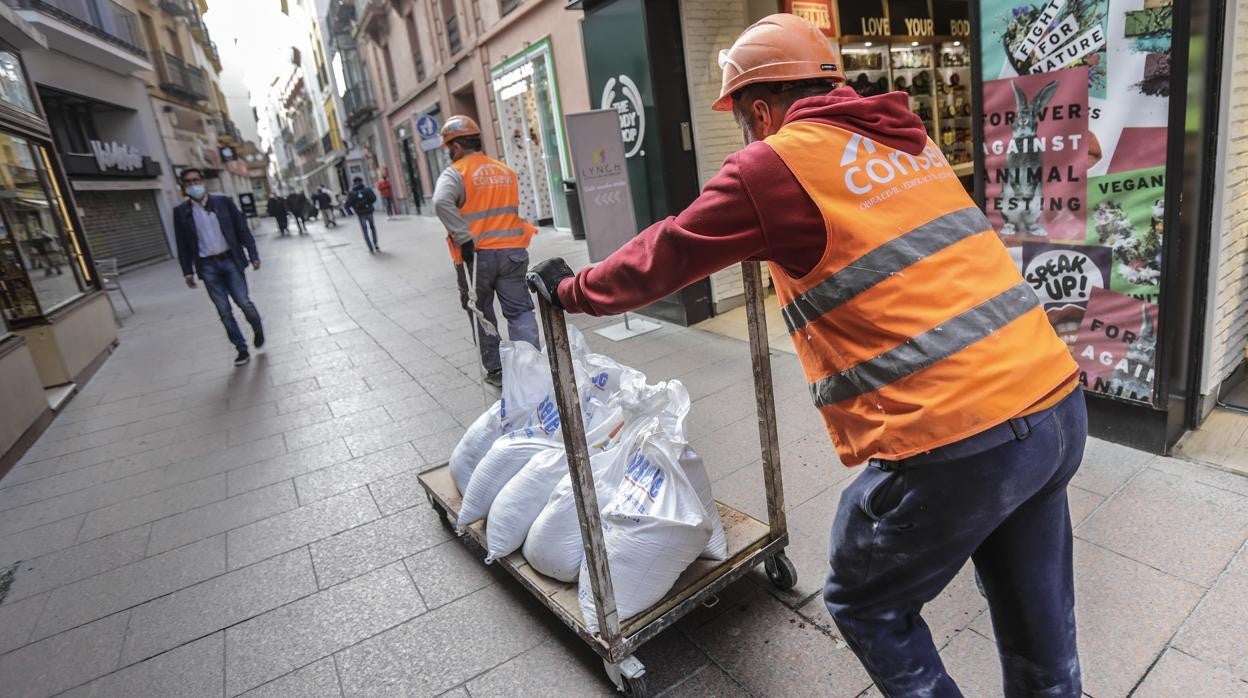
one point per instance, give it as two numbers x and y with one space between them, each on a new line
224 280
502 273
904 530
366 223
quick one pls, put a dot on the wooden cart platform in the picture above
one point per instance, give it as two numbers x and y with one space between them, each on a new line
749 543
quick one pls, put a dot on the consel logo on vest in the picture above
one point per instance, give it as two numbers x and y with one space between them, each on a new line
884 176
490 175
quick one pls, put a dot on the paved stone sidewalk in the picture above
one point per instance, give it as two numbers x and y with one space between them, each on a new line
186 528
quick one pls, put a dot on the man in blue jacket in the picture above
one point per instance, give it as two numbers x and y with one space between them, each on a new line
215 243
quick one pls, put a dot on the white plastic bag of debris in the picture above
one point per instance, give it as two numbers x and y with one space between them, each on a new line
522 499
654 526
553 546
695 470
526 381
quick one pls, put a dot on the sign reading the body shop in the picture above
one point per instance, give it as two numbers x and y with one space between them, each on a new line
601 167
622 95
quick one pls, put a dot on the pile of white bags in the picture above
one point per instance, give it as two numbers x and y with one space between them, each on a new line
653 492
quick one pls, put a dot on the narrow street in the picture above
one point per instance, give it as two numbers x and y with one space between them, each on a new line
188 528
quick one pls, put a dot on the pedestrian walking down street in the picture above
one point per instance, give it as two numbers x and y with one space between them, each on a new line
387 194
361 201
299 207
215 243
926 353
325 202
280 213
477 199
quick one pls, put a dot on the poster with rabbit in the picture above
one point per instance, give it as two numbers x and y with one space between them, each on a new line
1125 214
1035 154
1116 346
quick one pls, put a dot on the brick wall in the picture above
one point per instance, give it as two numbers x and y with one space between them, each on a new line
711 25
1230 304
123 224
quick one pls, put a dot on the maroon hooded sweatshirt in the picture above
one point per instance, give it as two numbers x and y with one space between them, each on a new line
754 209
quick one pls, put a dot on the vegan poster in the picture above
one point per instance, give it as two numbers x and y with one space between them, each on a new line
1116 346
1127 215
1035 152
1119 50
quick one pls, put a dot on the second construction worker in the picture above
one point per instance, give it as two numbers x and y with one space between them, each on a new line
925 351
477 199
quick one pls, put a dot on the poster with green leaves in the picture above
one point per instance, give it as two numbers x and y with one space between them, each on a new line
1125 214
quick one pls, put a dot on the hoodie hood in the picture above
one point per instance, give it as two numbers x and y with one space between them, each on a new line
885 118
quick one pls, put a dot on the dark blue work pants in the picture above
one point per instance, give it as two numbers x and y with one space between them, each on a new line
904 530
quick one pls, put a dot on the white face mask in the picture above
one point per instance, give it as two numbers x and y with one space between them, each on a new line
195 191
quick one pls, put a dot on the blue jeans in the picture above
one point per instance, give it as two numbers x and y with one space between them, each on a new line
366 222
224 280
502 272
904 530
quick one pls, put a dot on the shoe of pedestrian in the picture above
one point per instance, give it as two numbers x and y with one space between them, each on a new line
257 341
377 248
242 358
495 378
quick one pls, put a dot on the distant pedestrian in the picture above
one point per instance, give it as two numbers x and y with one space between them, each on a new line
360 201
280 213
215 242
387 194
298 204
325 202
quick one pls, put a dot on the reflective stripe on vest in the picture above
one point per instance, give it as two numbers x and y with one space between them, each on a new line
492 204
915 328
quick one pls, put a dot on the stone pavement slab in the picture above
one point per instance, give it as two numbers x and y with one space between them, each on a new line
187 525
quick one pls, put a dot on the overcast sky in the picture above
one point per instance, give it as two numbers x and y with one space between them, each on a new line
255 35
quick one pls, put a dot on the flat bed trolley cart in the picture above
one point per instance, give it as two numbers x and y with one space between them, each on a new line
750 541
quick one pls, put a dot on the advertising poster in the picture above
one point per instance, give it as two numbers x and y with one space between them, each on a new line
1126 216
1035 152
1119 52
1116 346
1064 275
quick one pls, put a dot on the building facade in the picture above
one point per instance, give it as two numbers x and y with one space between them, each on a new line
97 104
515 67
56 327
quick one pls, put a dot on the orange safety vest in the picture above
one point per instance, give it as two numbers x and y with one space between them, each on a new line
915 329
492 204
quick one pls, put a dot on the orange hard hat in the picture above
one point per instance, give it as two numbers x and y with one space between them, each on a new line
459 126
777 48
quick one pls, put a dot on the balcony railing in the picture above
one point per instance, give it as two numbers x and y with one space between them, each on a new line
101 18
359 104
304 143
183 80
177 8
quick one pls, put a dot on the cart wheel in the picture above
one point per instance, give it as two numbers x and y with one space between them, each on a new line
443 515
781 572
629 676
636 688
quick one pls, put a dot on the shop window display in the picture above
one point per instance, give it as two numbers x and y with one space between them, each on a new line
1075 104
39 265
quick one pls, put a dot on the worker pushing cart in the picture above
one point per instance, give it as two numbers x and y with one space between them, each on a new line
925 352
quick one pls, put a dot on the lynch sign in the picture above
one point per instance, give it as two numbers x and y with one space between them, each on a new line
116 156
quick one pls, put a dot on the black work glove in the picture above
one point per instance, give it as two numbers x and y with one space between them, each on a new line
467 250
544 279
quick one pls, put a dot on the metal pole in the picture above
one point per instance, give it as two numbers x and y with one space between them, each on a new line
560 352
764 394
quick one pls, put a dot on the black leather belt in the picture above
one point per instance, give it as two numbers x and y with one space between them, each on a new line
223 255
